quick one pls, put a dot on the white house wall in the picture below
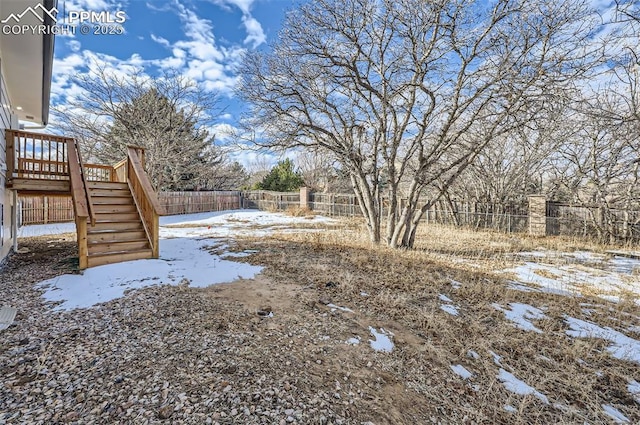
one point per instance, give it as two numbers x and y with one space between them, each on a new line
7 120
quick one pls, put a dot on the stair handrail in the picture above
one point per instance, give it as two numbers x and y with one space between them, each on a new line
144 196
81 201
78 185
92 215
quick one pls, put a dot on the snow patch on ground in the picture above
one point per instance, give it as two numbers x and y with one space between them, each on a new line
185 256
515 385
615 414
451 309
382 341
334 307
181 261
461 371
509 408
353 340
448 307
444 298
579 272
634 389
521 314
46 229
473 355
225 224
496 358
622 347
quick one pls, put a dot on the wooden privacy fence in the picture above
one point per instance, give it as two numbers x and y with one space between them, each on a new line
270 201
59 209
45 209
195 202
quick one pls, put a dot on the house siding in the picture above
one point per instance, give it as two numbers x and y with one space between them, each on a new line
7 120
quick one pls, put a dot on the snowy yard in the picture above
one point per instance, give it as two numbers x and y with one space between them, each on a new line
187 256
317 323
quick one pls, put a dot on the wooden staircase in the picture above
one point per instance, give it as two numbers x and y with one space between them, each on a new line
116 208
118 233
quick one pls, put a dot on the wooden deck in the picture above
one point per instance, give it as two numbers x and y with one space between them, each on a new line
116 209
28 186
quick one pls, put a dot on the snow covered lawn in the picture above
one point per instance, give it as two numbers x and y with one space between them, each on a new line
186 256
487 331
574 273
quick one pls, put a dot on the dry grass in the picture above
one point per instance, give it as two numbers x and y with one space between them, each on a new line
297 211
577 375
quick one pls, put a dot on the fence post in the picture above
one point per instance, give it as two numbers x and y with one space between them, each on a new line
304 198
537 215
45 214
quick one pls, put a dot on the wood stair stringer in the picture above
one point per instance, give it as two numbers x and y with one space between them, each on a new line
118 234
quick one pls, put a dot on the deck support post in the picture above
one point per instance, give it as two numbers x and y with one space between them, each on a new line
14 220
83 253
155 232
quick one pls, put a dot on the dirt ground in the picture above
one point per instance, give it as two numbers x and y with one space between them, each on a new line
274 349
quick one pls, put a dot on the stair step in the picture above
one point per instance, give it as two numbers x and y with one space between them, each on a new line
94 260
118 246
115 226
119 208
112 200
110 236
109 192
118 216
107 185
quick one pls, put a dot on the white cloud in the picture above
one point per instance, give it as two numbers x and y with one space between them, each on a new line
254 161
74 45
160 40
196 54
223 132
243 5
255 34
91 5
166 7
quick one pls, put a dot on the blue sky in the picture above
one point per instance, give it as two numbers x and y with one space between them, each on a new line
203 39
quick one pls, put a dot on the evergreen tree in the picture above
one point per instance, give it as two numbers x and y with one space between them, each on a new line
282 178
178 155
167 115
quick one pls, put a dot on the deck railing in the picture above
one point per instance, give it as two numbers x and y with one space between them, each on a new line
99 173
144 196
36 156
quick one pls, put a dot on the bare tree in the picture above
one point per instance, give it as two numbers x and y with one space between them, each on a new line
516 164
407 93
321 172
599 164
168 116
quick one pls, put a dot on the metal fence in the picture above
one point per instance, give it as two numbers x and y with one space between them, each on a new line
341 205
561 219
512 218
590 222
